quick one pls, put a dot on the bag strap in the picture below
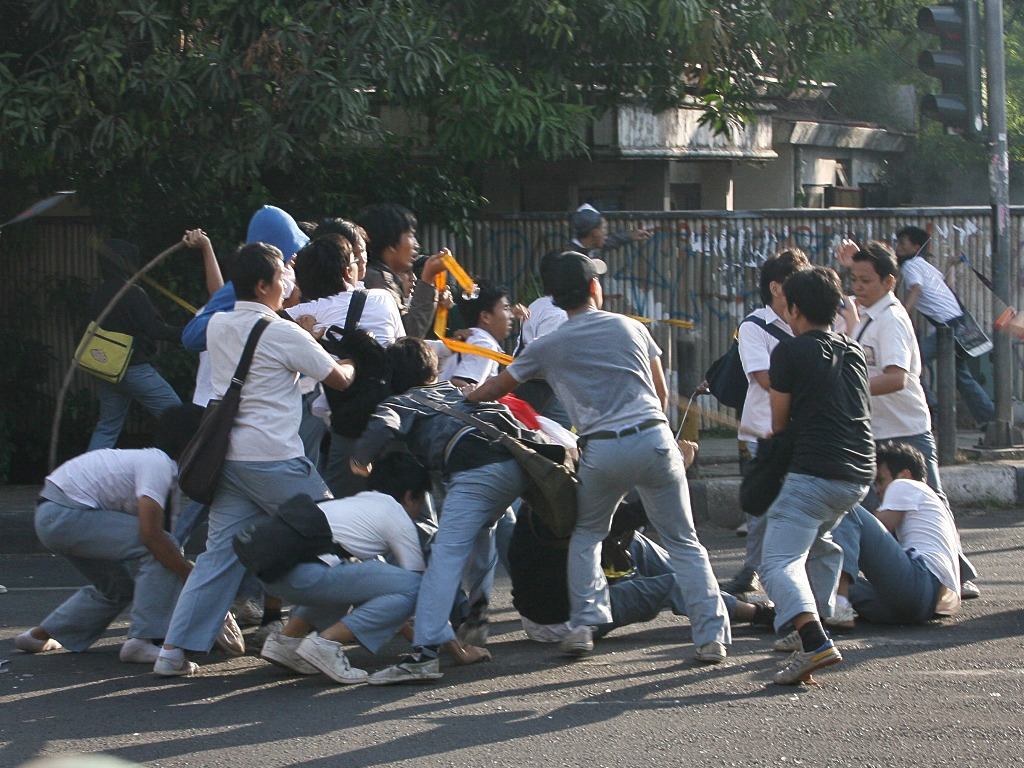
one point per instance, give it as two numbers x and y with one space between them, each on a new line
355 310
250 349
770 328
488 429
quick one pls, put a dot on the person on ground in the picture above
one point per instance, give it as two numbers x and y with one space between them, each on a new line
481 479
927 292
757 336
135 315
265 464
907 551
819 389
606 370
105 512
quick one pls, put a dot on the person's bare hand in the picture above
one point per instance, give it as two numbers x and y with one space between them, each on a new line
640 235
196 238
308 323
469 654
445 300
845 252
433 266
359 469
521 313
461 335
689 450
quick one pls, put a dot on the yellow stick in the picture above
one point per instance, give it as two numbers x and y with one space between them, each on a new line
176 299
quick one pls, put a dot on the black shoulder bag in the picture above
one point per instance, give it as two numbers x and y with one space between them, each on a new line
767 470
201 461
552 488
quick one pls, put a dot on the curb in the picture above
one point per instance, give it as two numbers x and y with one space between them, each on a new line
716 500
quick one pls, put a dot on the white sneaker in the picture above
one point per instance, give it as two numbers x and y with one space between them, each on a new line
230 637
259 637
137 651
165 667
247 612
3 589
329 658
711 653
579 642
283 651
843 617
475 634
25 642
789 643
408 670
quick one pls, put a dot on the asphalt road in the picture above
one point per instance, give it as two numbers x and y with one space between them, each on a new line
948 693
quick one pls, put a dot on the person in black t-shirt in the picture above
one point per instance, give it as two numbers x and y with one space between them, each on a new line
820 390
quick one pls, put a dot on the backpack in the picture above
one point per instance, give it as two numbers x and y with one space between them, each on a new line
726 379
352 407
298 533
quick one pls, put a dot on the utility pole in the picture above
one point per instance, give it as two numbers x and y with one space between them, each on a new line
999 433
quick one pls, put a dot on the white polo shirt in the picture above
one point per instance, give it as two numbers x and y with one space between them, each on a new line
756 346
267 425
371 525
380 313
477 368
544 318
887 336
115 479
937 300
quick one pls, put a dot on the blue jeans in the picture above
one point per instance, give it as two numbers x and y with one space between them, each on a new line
977 399
653 588
246 491
474 500
896 588
104 546
649 461
381 596
140 382
337 472
312 429
755 531
801 563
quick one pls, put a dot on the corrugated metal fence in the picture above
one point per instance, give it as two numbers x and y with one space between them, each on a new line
698 266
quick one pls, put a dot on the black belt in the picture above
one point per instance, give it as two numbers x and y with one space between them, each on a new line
610 435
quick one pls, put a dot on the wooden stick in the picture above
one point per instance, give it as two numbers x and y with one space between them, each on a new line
58 413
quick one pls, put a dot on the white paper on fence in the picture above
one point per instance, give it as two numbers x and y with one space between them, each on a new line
557 432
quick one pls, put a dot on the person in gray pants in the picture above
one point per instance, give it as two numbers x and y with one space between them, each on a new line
104 512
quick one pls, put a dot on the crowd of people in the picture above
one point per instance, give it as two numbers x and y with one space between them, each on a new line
360 429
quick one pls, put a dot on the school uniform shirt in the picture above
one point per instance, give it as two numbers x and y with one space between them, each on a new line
936 300
380 314
370 525
473 368
267 425
927 531
887 336
114 479
756 346
544 318
599 365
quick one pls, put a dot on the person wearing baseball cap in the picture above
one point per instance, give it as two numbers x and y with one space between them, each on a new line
590 233
606 370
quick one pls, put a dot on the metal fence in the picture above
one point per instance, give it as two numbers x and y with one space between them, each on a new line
698 266
703 266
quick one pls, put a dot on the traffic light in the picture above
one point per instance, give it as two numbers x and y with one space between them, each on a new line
957 65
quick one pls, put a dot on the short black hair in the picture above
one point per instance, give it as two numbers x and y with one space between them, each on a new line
347 229
881 257
399 473
778 268
545 264
412 362
307 227
900 456
489 295
254 262
817 292
320 267
384 226
916 235
176 427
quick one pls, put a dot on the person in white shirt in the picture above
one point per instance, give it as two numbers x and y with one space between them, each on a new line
265 464
758 335
910 578
928 293
365 599
356 237
489 317
105 512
